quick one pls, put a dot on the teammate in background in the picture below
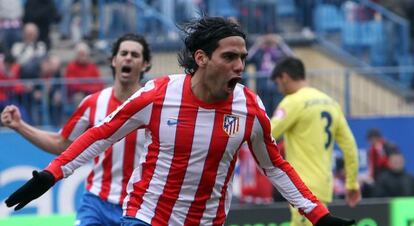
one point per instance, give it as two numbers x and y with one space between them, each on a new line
194 125
112 168
311 121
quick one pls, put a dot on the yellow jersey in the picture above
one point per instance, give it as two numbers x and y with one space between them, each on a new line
311 122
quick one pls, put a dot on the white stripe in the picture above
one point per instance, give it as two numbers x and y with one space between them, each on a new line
118 152
102 104
167 132
239 110
80 126
200 146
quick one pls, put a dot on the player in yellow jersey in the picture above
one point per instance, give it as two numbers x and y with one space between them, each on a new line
311 122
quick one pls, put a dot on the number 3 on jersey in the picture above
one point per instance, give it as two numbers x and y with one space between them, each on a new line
326 115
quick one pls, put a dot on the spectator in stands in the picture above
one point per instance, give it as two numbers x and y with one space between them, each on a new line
378 152
394 181
42 13
30 49
66 11
263 55
119 16
50 69
10 93
11 12
82 67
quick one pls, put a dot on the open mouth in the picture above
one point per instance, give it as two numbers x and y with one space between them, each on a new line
231 84
126 69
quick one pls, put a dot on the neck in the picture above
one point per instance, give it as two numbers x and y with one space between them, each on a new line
295 86
200 89
123 91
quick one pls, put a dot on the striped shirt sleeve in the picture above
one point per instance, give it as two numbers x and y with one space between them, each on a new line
132 114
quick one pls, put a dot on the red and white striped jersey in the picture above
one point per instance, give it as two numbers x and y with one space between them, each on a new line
189 154
112 168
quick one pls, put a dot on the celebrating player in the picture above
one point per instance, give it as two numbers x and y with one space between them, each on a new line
106 183
194 125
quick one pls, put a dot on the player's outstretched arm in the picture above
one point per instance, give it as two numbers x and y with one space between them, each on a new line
51 142
329 220
32 189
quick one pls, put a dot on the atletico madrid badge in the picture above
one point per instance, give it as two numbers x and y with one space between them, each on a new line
231 124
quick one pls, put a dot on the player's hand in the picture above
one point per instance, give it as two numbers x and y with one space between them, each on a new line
32 189
352 197
11 117
329 220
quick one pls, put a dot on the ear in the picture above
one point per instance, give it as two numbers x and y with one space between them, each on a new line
200 58
146 66
113 61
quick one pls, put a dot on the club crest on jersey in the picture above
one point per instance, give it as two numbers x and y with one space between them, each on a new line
231 124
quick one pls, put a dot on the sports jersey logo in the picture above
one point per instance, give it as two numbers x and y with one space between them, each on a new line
172 121
231 124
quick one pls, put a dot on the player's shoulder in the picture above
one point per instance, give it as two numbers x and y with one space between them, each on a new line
92 98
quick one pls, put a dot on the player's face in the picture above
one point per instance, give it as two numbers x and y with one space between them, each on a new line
129 62
225 67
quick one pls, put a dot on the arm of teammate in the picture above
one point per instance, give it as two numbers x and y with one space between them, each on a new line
347 144
284 177
51 142
133 113
284 116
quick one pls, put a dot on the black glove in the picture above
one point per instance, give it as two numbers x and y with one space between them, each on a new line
329 220
32 189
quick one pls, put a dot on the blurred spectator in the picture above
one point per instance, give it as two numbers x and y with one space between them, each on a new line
10 93
50 71
11 12
30 47
263 55
378 152
42 13
395 181
66 8
119 16
254 186
80 68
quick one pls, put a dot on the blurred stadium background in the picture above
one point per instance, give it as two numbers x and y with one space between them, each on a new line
359 52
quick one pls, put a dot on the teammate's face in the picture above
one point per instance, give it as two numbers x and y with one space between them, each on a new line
223 70
129 62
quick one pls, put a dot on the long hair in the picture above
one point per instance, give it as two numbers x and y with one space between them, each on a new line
204 34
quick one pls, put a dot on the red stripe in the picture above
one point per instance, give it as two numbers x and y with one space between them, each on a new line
182 149
221 213
218 143
93 101
128 162
107 161
148 167
90 102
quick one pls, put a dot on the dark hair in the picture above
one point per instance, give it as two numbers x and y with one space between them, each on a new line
204 34
374 133
146 52
290 65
